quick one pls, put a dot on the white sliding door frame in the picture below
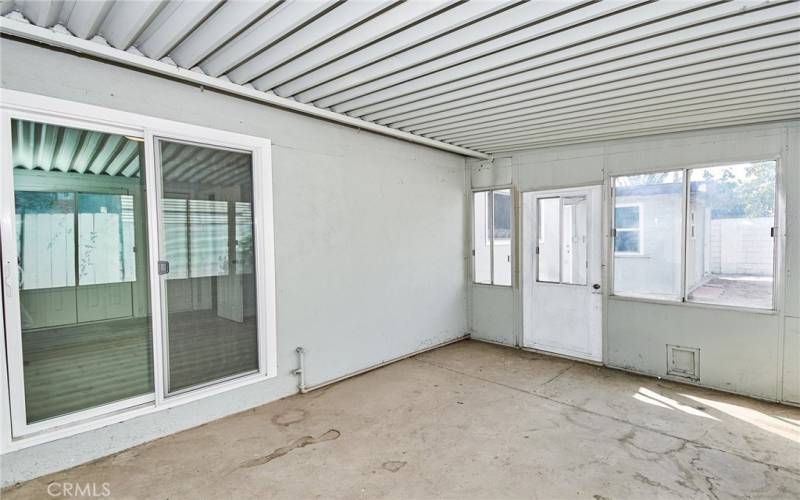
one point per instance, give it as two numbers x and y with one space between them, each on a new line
16 433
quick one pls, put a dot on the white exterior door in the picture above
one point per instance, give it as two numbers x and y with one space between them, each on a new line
562 296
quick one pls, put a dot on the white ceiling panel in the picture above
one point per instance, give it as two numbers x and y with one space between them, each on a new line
490 76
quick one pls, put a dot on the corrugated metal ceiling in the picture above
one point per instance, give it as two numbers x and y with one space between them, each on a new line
491 76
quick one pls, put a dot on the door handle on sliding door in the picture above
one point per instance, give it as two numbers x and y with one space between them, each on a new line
163 267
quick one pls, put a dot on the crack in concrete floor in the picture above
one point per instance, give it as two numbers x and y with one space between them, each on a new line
610 417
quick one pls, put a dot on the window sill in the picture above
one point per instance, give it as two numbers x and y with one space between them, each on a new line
631 256
699 305
490 285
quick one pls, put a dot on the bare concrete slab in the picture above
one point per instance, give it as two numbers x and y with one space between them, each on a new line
470 420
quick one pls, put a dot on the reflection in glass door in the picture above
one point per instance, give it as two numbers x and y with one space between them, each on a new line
207 264
81 271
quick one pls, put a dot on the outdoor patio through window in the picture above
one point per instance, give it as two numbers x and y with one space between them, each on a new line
729 241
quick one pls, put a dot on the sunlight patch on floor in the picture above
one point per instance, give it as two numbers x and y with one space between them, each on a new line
768 423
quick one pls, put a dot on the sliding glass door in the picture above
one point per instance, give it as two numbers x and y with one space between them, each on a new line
137 265
81 269
207 263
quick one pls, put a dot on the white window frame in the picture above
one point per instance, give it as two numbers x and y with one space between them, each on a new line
778 249
16 432
491 241
640 229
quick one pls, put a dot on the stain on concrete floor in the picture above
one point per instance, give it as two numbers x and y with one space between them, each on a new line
472 420
297 443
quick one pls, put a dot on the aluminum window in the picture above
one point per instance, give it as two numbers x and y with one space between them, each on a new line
492 218
709 233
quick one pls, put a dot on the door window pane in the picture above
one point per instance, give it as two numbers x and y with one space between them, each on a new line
562 248
648 212
729 245
84 301
210 289
548 244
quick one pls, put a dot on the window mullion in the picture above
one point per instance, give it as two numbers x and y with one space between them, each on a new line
490 206
684 229
560 238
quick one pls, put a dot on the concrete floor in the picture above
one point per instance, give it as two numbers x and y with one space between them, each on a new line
735 290
472 420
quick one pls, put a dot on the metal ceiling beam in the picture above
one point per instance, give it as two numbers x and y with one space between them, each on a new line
622 95
173 24
48 37
783 57
394 20
507 62
497 26
595 74
226 22
708 117
344 16
648 51
277 24
463 14
687 64
582 117
126 21
542 130
478 59
643 132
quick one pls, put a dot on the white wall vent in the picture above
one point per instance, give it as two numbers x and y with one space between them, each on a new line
683 362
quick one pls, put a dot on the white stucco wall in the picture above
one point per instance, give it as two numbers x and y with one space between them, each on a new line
369 235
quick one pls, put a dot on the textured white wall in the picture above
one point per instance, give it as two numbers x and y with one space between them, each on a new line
369 240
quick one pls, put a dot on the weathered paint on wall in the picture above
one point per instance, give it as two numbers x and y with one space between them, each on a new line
369 234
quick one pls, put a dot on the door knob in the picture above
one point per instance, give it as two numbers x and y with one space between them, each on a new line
596 286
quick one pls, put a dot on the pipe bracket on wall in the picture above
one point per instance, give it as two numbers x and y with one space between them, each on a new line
301 370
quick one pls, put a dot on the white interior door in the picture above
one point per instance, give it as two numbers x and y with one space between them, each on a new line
562 296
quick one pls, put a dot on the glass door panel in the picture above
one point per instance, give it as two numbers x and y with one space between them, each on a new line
208 264
81 245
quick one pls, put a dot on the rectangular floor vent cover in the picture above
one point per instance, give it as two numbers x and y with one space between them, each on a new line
683 362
